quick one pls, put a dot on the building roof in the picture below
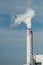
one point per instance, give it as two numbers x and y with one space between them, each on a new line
38 58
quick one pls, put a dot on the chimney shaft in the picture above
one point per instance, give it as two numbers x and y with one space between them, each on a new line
29 47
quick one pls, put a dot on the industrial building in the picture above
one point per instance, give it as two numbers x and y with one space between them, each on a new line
38 59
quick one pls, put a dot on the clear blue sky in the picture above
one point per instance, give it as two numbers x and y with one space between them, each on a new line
16 37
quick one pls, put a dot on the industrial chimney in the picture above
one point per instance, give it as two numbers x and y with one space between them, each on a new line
29 47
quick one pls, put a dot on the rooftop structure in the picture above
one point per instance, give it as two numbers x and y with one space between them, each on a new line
38 59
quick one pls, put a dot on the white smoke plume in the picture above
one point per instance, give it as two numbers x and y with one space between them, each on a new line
26 18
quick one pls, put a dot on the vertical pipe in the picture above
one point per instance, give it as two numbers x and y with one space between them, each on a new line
29 47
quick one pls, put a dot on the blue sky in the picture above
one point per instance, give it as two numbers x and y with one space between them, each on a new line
16 37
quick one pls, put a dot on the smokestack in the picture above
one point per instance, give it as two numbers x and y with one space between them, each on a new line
29 47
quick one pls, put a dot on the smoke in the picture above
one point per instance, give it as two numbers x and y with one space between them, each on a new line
26 18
